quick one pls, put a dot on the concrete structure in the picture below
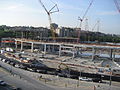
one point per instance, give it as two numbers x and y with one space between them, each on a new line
70 48
65 32
7 42
30 32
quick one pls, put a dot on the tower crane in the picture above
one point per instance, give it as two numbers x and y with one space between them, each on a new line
86 25
117 3
86 30
82 19
49 12
96 25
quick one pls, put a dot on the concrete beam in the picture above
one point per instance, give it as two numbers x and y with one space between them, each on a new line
32 46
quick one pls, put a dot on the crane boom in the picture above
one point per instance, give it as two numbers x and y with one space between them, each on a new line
43 6
81 19
87 9
117 5
96 24
49 17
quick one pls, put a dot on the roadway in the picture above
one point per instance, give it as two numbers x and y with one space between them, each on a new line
25 82
24 79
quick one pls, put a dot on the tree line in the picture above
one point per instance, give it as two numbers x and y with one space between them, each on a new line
87 36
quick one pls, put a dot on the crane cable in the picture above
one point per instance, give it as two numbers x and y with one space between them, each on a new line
87 10
81 19
117 5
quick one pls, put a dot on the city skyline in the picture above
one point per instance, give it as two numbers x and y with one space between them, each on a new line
31 13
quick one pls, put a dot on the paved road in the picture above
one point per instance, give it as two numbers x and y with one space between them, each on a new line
26 83
4 88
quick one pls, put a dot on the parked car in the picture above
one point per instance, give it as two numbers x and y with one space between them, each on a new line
12 63
2 83
31 69
8 62
74 76
23 66
14 88
0 59
41 71
62 75
51 72
4 60
17 65
97 80
85 79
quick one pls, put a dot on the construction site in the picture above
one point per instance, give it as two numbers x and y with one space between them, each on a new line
60 55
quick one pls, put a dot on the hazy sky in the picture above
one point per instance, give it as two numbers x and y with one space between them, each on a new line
31 13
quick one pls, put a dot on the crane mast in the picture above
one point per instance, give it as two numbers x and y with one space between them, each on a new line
51 11
97 24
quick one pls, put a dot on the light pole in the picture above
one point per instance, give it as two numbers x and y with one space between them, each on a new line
79 78
110 76
11 69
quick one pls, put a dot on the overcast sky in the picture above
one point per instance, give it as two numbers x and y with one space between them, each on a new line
31 13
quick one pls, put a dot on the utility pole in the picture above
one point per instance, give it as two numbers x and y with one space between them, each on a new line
110 76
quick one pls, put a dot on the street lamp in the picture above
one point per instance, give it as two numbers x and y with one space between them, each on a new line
11 69
110 76
79 78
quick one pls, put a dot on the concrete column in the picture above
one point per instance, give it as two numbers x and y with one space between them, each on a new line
74 52
32 47
21 46
94 52
45 49
79 51
49 50
59 50
111 53
16 45
53 48
40 48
